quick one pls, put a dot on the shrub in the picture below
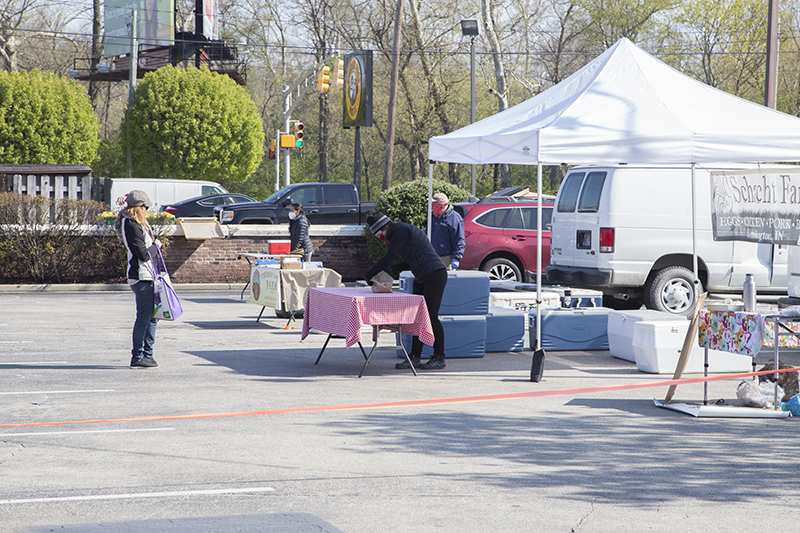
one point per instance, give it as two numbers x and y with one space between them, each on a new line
43 241
193 124
45 119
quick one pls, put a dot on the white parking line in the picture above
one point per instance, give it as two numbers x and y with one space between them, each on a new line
86 431
16 342
57 391
140 495
36 363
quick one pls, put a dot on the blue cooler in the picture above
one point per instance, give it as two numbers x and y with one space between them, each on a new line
572 329
505 330
464 336
466 293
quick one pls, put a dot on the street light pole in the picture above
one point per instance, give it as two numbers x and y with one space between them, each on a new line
469 27
472 100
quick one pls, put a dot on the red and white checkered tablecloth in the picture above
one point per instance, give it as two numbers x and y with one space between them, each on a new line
343 310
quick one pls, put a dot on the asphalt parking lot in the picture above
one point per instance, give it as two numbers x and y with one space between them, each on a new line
239 430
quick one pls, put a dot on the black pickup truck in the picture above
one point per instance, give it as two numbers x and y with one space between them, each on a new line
324 203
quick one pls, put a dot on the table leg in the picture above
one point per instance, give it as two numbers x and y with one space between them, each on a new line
375 345
325 346
777 338
402 347
705 374
241 297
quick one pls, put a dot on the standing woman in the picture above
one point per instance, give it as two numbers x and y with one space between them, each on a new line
430 277
135 232
298 230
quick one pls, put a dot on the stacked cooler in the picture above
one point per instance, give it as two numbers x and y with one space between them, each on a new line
471 326
582 328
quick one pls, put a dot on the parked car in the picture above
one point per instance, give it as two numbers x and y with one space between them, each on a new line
501 239
203 206
504 196
324 203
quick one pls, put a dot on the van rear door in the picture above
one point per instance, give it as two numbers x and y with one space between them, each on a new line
576 226
563 231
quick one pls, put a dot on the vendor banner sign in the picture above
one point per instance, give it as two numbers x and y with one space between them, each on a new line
265 286
756 205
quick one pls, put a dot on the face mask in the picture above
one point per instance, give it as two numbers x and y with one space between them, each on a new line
382 238
437 209
292 215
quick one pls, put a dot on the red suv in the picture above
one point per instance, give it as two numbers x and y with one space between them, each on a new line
501 239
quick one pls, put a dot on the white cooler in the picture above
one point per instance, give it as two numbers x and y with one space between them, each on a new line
657 347
620 329
523 300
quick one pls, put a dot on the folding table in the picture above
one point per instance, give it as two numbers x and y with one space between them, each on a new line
342 311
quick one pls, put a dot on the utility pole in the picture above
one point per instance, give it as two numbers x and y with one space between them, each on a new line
287 109
771 81
134 64
390 127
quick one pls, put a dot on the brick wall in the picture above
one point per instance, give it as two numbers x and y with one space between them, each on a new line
341 248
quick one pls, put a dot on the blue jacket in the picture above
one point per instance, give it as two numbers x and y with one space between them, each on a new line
447 234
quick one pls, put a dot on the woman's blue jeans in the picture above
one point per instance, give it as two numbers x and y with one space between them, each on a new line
144 329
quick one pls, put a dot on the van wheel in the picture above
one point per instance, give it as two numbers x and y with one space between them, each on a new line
671 290
502 270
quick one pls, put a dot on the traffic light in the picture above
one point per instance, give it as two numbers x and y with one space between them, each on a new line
298 134
324 79
272 149
339 73
287 141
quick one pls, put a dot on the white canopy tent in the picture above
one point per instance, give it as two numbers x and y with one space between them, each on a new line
624 107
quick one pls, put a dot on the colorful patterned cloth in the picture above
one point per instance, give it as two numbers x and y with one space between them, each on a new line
731 331
742 333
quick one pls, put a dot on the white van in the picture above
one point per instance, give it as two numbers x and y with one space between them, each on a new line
627 230
160 191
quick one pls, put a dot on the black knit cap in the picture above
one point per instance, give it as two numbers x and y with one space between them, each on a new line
376 221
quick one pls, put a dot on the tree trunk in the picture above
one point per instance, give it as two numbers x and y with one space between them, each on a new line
501 92
97 51
390 126
435 92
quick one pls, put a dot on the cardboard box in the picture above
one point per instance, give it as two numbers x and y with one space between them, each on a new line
291 263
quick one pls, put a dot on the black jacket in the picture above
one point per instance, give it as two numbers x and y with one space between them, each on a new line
416 251
298 231
141 247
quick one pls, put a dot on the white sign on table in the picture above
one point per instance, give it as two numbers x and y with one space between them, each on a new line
265 286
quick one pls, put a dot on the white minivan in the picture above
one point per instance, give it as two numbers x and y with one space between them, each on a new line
160 191
627 230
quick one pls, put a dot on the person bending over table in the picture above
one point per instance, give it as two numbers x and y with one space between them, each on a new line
430 277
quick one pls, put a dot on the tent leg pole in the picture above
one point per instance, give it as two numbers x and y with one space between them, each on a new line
430 196
539 256
695 268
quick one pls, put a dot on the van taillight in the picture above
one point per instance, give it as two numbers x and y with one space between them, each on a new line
607 240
